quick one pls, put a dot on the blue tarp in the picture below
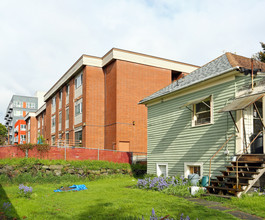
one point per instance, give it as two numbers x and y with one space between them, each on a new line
73 188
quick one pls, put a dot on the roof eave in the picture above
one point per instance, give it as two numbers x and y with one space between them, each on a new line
156 99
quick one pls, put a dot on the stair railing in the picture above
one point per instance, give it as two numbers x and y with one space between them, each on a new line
237 179
216 154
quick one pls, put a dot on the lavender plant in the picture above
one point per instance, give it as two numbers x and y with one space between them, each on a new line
155 217
161 183
25 191
5 210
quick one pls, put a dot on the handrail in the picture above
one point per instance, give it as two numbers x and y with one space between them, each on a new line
242 155
216 154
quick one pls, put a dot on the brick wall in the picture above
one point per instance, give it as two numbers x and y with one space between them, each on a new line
93 107
56 153
135 82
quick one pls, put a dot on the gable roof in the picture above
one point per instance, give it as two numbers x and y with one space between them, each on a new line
223 64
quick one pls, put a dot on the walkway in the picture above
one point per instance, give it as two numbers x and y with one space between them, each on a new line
219 206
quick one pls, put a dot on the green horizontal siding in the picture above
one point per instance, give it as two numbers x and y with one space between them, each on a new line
173 140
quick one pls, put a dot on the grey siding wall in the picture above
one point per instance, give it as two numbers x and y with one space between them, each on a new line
173 140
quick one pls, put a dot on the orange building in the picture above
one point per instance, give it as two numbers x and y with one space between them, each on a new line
20 132
95 103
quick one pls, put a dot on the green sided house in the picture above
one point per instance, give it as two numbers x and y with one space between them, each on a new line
210 123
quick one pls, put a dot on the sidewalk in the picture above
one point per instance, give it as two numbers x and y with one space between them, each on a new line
219 206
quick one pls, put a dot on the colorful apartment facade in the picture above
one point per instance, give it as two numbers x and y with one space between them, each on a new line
20 132
95 103
18 107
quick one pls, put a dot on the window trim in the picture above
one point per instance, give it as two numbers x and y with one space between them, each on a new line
78 78
80 104
53 118
186 168
163 164
67 115
193 121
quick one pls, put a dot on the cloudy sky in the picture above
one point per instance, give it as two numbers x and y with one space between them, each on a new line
41 39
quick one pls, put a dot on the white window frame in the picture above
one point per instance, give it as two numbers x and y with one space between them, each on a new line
53 104
23 127
187 170
53 120
80 104
67 89
194 118
162 164
18 113
32 105
67 115
79 80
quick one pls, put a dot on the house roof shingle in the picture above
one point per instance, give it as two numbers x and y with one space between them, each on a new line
225 63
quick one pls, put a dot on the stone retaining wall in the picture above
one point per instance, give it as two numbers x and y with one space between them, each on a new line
58 170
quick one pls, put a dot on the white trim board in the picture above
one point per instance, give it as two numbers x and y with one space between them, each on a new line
118 54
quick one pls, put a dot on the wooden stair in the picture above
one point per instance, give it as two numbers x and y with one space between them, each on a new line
250 168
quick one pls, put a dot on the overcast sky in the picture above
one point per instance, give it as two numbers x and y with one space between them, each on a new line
41 39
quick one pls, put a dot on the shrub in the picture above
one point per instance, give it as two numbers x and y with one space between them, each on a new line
169 185
160 183
24 191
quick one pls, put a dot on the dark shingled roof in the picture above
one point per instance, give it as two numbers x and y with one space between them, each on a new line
226 62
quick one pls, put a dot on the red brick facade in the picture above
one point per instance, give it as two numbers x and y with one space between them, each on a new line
111 117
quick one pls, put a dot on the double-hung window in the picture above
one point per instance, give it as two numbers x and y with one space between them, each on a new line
78 80
53 121
202 112
78 107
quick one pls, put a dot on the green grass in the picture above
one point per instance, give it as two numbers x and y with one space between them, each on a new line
109 198
253 204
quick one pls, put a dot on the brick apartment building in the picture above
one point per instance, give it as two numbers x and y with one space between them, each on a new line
95 103
20 132
35 122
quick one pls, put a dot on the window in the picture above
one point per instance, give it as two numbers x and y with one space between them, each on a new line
53 140
162 169
18 104
28 104
79 80
192 168
202 112
39 122
60 95
67 138
195 169
22 138
18 113
23 127
53 121
78 137
67 113
53 102
32 105
67 89
60 117
78 107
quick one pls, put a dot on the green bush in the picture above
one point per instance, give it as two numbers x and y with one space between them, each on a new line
88 164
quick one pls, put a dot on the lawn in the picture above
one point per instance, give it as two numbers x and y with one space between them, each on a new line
253 204
109 198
